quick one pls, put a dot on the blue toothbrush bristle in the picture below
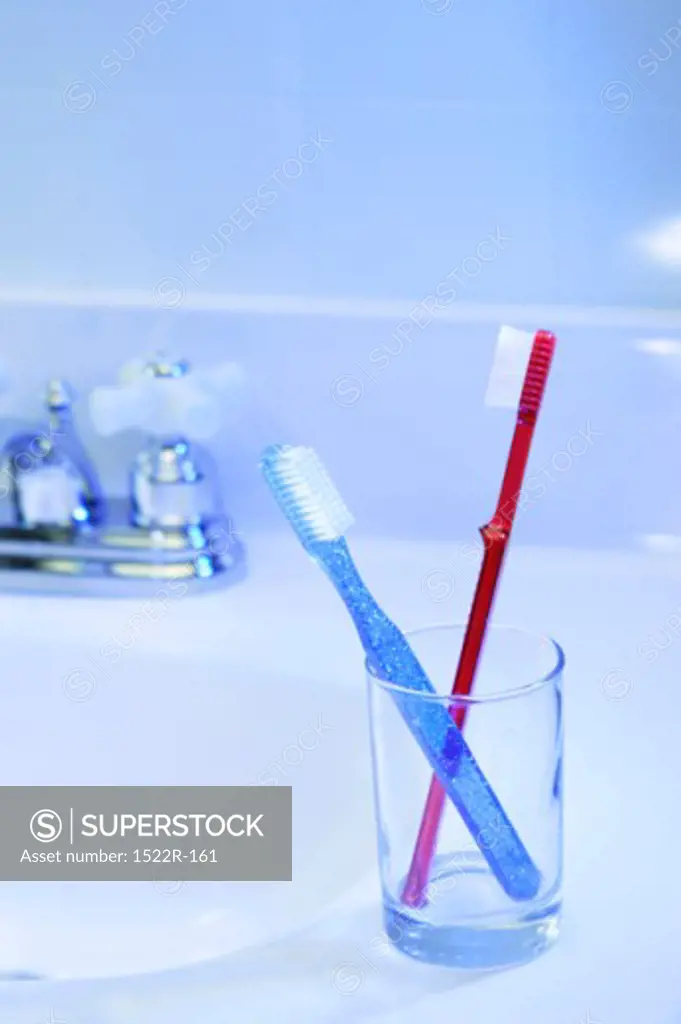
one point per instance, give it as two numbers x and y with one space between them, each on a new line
305 493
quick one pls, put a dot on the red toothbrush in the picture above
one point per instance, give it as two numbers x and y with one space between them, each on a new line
495 536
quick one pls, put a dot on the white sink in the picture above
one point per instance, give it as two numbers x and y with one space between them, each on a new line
197 698
220 688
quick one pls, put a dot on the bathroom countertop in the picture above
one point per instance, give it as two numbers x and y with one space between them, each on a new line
616 615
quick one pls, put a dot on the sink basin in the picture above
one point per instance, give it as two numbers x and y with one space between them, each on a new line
204 714
94 691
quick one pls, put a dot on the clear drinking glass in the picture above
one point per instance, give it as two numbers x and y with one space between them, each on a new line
513 726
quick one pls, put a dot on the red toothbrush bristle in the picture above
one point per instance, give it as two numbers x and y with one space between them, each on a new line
537 374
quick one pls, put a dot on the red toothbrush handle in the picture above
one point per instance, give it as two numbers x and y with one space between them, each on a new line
495 549
414 892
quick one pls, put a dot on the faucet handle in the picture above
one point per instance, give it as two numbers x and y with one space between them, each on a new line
163 398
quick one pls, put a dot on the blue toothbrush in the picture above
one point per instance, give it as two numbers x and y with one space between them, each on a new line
320 518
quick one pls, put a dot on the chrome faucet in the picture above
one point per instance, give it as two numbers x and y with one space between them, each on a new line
169 486
59 531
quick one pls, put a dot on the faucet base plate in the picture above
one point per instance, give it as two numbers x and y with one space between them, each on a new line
118 558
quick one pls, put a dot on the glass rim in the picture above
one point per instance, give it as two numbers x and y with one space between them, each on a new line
471 699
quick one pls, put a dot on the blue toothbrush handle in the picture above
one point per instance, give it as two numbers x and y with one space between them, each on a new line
451 759
433 728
